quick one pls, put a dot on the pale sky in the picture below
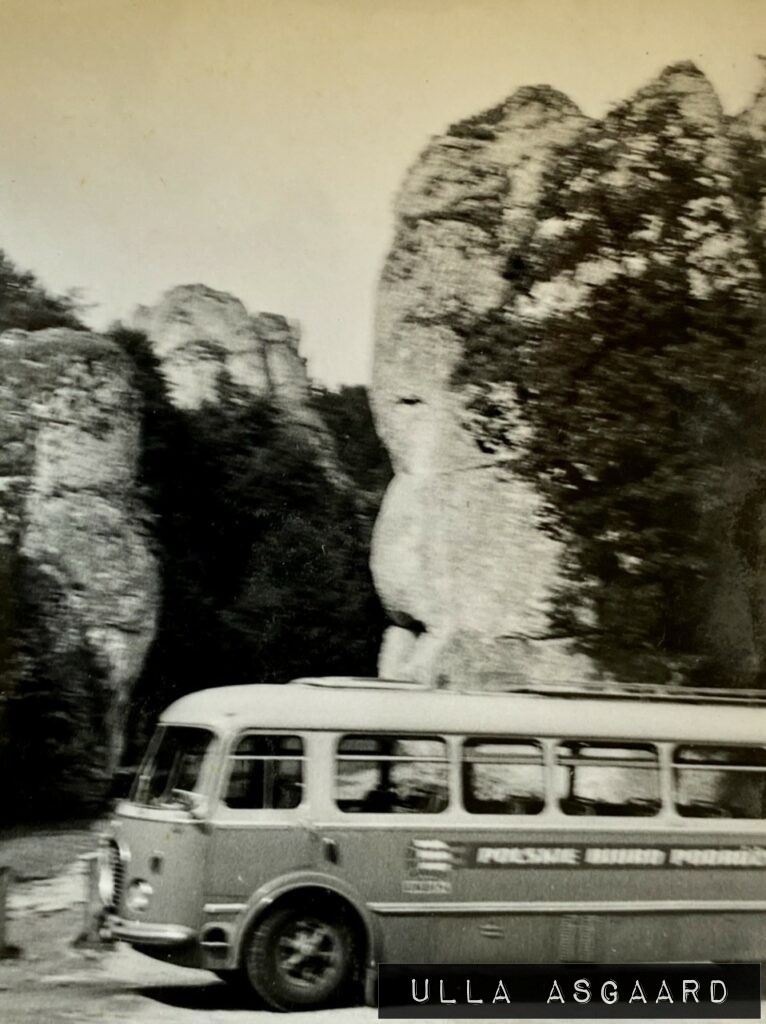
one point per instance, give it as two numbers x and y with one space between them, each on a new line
256 145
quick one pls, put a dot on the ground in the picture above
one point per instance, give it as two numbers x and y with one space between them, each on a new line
53 979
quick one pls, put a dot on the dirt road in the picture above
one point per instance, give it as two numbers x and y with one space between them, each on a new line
53 981
126 987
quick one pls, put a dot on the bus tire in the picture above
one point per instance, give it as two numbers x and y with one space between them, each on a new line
302 957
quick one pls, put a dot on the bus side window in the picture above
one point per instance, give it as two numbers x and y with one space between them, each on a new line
266 773
719 782
608 779
503 777
381 774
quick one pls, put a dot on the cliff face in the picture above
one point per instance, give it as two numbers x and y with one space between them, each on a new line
523 236
80 588
457 558
206 339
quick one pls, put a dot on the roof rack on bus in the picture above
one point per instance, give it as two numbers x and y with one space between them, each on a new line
494 683
629 691
359 683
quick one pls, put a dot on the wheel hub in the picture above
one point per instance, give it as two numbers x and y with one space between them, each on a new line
308 952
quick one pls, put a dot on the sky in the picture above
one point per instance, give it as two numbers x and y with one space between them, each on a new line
256 145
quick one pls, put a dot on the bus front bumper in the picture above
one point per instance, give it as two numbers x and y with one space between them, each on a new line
142 933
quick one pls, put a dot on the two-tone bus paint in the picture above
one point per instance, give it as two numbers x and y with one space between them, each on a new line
297 835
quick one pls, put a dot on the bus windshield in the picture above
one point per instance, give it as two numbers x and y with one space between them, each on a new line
173 763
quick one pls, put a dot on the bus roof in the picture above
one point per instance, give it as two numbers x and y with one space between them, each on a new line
381 706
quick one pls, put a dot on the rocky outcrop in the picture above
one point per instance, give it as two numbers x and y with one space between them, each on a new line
457 556
511 228
75 551
206 340
749 130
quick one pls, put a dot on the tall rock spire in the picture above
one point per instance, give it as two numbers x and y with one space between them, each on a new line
568 337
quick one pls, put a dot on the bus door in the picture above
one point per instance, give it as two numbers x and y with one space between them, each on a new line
256 827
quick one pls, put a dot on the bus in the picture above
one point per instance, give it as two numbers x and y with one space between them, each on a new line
292 837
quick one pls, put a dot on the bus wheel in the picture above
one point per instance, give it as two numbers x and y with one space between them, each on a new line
301 957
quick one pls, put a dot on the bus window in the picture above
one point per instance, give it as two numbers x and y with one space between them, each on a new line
720 782
266 773
174 763
503 777
605 779
392 775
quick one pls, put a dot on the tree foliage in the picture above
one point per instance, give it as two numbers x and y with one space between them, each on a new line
263 558
54 735
623 376
26 305
360 451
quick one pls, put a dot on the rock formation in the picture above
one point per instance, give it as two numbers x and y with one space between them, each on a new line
75 553
205 339
457 557
513 231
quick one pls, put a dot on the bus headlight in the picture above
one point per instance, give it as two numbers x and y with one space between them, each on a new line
138 896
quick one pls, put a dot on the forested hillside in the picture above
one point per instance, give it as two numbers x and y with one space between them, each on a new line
264 558
149 548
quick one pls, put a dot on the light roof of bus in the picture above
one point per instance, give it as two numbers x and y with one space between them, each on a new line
303 706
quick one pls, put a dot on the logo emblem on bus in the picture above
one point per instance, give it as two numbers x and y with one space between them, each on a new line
433 858
430 863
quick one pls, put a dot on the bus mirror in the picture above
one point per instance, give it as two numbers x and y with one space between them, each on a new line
192 803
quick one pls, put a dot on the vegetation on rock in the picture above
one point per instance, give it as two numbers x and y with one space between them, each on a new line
360 451
623 376
26 305
263 553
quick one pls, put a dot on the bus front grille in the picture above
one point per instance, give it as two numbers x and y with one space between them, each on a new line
118 873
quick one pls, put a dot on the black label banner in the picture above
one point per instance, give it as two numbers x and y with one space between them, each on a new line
569 991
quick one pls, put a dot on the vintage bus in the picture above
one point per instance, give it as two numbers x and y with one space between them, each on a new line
293 837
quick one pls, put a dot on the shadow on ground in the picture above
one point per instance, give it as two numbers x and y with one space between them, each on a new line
218 996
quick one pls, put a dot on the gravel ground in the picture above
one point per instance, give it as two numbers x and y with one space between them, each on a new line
54 980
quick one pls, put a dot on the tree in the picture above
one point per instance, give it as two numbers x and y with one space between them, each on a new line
26 305
361 453
263 558
631 346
